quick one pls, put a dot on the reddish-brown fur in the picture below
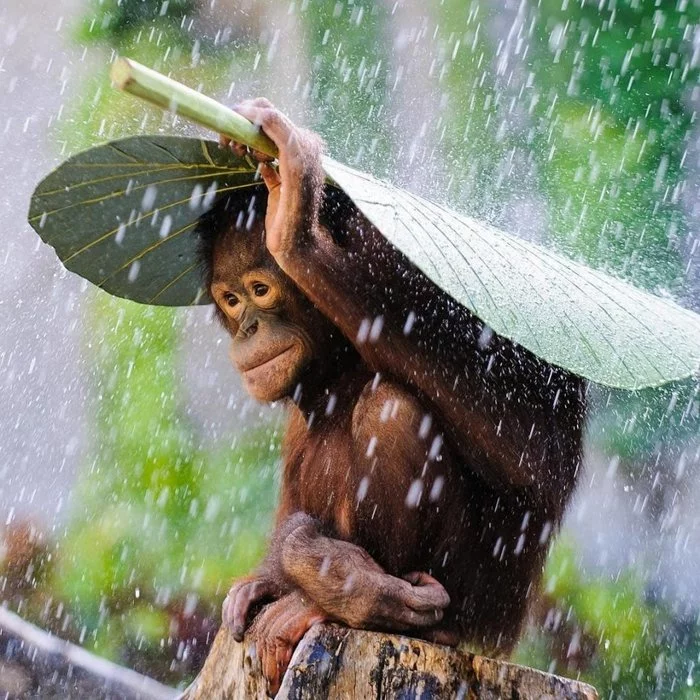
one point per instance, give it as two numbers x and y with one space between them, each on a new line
425 468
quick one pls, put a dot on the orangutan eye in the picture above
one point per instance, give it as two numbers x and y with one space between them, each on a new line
260 289
230 299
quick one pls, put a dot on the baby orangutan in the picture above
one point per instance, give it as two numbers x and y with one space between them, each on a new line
427 461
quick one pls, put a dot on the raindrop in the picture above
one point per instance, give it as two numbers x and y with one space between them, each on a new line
250 220
196 196
386 411
149 198
376 329
557 39
612 467
362 489
372 446
485 337
435 447
363 332
546 532
425 424
210 196
415 491
190 604
134 271
574 644
165 226
436 489
212 509
121 232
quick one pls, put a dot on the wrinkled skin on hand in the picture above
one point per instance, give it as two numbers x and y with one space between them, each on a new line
245 594
277 630
352 589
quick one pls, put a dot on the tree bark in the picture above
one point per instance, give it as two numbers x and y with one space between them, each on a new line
335 663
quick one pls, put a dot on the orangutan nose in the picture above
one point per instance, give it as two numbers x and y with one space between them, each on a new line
250 327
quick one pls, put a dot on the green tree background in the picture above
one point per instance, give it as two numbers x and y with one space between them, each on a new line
593 105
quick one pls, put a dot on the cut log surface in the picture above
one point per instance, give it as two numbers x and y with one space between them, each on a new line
335 663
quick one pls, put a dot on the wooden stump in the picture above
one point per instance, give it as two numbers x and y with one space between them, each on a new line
335 663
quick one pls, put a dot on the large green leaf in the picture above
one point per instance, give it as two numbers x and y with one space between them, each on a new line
104 211
123 215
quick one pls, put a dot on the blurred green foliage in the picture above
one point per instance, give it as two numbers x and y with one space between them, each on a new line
159 526
162 511
644 424
612 633
613 113
115 21
347 49
473 143
101 113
